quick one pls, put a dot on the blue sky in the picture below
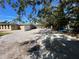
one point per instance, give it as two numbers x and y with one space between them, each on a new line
9 14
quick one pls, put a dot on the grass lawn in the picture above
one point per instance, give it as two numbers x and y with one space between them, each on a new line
3 33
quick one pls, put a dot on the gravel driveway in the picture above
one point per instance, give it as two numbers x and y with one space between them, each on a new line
20 36
9 47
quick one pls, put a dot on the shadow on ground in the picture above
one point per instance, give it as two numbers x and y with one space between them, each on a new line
58 48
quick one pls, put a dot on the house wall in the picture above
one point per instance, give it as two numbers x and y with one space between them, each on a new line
5 28
15 27
22 27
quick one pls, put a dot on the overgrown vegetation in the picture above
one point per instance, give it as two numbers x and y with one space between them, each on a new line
3 33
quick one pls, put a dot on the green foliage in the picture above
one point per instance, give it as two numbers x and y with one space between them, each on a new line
61 14
55 16
3 33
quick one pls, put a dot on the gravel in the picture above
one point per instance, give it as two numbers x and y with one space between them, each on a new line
15 45
10 44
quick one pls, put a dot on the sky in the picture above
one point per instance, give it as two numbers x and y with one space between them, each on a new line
9 14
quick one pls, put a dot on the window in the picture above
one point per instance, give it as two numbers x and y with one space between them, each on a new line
2 26
8 26
5 26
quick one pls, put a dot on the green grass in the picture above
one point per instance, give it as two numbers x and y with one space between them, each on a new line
3 33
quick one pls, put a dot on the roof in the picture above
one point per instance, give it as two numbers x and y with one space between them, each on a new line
20 24
2 23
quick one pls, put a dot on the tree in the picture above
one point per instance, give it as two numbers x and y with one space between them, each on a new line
55 16
20 5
